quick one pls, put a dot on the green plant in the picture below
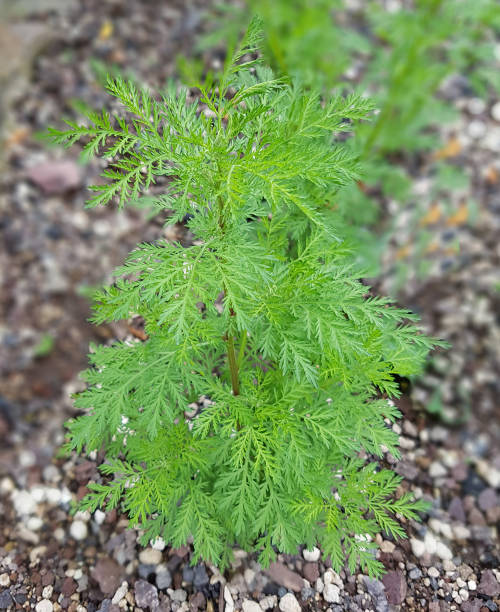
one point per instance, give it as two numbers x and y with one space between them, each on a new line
301 38
44 346
267 319
400 58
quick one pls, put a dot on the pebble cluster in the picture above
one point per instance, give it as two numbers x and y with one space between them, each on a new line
51 560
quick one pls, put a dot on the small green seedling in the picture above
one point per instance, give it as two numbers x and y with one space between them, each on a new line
264 315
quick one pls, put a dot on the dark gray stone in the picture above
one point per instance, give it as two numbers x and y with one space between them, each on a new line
200 576
163 579
5 599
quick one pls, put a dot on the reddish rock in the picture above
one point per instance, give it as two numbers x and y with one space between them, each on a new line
108 575
489 585
311 572
48 578
82 492
395 587
69 587
85 471
55 177
280 574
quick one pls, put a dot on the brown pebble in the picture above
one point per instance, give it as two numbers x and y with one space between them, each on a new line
82 492
69 586
108 575
282 575
181 552
197 602
311 572
395 587
177 580
48 578
476 518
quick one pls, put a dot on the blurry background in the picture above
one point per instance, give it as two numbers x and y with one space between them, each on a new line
424 221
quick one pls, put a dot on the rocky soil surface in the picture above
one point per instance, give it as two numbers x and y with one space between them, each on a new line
53 252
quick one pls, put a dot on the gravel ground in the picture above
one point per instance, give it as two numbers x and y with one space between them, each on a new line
52 249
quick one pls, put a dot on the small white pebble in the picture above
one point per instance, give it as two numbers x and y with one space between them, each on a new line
78 530
288 603
34 523
44 606
476 129
406 443
150 556
158 544
53 496
464 594
417 547
476 106
99 517
6 485
27 458
331 593
443 552
47 591
120 592
433 572
250 606
59 534
24 503
430 543
331 577
437 470
4 580
269 602
495 111
472 585
311 555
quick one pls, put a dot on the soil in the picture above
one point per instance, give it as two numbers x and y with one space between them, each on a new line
53 251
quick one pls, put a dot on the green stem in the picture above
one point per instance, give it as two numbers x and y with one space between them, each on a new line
231 355
233 365
243 343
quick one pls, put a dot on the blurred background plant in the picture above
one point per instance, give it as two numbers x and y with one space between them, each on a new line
401 57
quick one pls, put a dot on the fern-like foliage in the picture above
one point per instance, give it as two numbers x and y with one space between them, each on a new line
297 364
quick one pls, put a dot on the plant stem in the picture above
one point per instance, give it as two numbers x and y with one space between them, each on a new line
231 355
243 343
233 365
